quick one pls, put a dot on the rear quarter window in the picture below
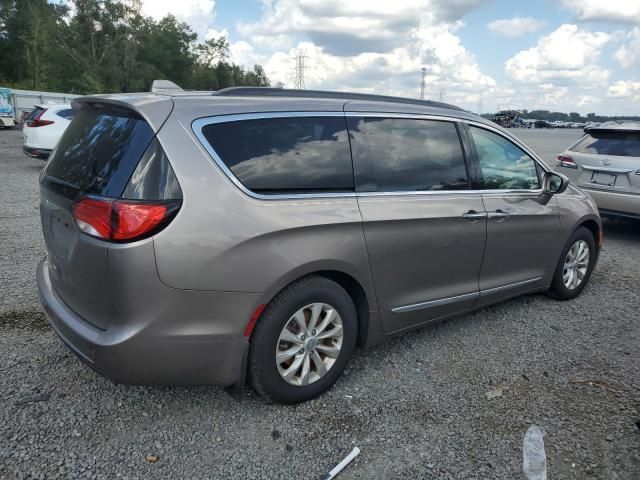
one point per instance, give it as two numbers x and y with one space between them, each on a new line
622 144
285 155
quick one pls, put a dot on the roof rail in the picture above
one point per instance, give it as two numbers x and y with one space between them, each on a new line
286 92
164 86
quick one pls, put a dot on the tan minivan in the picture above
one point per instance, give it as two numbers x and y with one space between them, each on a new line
200 238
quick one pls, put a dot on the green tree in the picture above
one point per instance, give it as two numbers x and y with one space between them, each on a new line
28 30
102 46
165 52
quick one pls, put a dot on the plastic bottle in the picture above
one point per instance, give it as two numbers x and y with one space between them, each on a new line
534 459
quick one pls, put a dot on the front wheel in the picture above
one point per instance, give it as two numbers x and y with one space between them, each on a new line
575 265
302 341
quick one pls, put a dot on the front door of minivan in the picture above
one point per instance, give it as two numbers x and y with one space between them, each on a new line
522 233
424 230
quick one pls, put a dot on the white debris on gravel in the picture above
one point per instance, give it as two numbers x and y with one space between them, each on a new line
534 459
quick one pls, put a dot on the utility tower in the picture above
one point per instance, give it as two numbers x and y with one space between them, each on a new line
300 66
441 94
480 106
423 84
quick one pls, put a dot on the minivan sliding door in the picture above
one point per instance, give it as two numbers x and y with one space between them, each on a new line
424 229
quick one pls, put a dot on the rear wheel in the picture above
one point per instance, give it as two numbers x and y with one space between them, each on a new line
302 341
575 265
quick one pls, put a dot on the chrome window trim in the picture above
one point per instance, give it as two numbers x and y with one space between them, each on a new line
199 123
411 193
458 298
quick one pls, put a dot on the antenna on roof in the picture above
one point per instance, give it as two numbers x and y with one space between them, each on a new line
164 86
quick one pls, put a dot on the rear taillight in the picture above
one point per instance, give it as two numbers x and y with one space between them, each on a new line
123 220
566 161
37 122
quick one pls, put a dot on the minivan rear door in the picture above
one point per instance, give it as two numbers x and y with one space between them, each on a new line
425 229
96 156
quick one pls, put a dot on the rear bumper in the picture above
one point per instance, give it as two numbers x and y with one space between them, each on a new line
187 346
41 153
7 122
614 204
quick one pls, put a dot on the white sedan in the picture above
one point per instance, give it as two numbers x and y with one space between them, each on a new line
43 127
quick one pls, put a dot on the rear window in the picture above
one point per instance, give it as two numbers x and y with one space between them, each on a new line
622 144
99 151
285 155
67 113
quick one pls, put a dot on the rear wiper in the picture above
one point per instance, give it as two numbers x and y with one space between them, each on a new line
61 182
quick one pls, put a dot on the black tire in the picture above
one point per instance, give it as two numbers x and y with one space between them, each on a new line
558 289
262 369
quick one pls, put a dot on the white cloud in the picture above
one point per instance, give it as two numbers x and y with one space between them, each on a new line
516 26
347 28
244 53
567 54
626 90
616 11
628 55
199 14
377 47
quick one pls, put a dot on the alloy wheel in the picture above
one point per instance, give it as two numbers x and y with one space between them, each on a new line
309 344
576 265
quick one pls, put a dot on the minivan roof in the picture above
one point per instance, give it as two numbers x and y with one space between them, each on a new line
264 99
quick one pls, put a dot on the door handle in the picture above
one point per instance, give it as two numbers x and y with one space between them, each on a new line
473 215
499 214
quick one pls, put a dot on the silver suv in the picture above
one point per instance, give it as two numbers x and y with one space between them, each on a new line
606 163
202 238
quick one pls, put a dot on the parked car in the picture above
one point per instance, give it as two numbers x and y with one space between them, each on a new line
43 128
542 124
195 238
590 125
605 162
6 109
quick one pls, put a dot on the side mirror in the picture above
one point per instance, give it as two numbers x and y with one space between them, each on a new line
552 183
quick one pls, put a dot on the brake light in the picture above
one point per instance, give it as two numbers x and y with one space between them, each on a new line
123 220
93 217
566 161
37 122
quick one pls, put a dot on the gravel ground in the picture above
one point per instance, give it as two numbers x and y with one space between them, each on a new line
416 406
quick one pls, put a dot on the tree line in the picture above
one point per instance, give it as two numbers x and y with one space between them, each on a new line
574 117
109 46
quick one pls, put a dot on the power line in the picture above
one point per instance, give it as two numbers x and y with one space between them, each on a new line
423 83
